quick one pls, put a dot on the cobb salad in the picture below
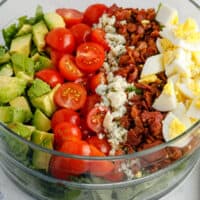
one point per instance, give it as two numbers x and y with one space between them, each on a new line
106 81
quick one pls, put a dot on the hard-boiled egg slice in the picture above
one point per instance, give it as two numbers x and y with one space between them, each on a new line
153 65
166 15
194 109
177 62
149 79
163 44
184 35
172 128
167 99
196 57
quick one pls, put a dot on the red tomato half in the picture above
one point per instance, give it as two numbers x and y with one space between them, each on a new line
98 36
66 131
70 95
61 39
50 76
65 166
95 118
65 115
70 16
101 144
68 68
81 33
90 56
90 103
56 56
99 167
96 80
93 13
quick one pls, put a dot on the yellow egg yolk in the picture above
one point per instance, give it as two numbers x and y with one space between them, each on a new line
176 128
149 79
168 88
166 44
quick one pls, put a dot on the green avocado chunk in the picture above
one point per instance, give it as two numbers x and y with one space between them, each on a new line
39 32
41 159
41 121
53 20
6 70
25 29
46 102
21 44
10 88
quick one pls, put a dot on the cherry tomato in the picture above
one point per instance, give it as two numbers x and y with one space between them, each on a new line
81 33
90 103
99 167
50 76
61 39
98 36
57 168
95 118
56 56
93 13
70 16
68 68
90 56
66 131
71 165
101 144
96 80
70 95
65 115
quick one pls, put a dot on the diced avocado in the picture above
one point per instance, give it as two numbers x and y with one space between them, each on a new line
41 62
10 114
41 159
4 55
23 76
22 130
39 32
22 62
38 89
6 70
21 44
25 29
10 88
46 102
21 102
40 121
6 114
53 20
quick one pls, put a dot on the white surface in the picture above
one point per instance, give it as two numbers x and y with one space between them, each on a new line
187 190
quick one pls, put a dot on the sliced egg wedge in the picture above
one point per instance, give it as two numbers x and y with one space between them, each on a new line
194 109
167 16
163 44
153 65
174 127
167 99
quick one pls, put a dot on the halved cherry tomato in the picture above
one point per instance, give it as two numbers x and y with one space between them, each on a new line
57 168
90 56
70 95
98 36
101 144
95 118
90 103
81 33
99 167
56 56
62 165
65 115
61 39
70 16
66 131
93 13
96 80
50 76
68 68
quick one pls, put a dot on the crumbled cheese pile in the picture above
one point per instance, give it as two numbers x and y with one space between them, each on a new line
114 94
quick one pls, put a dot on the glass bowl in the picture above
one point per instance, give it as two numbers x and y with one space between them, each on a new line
154 172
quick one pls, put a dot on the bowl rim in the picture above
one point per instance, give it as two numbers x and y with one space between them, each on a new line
135 155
